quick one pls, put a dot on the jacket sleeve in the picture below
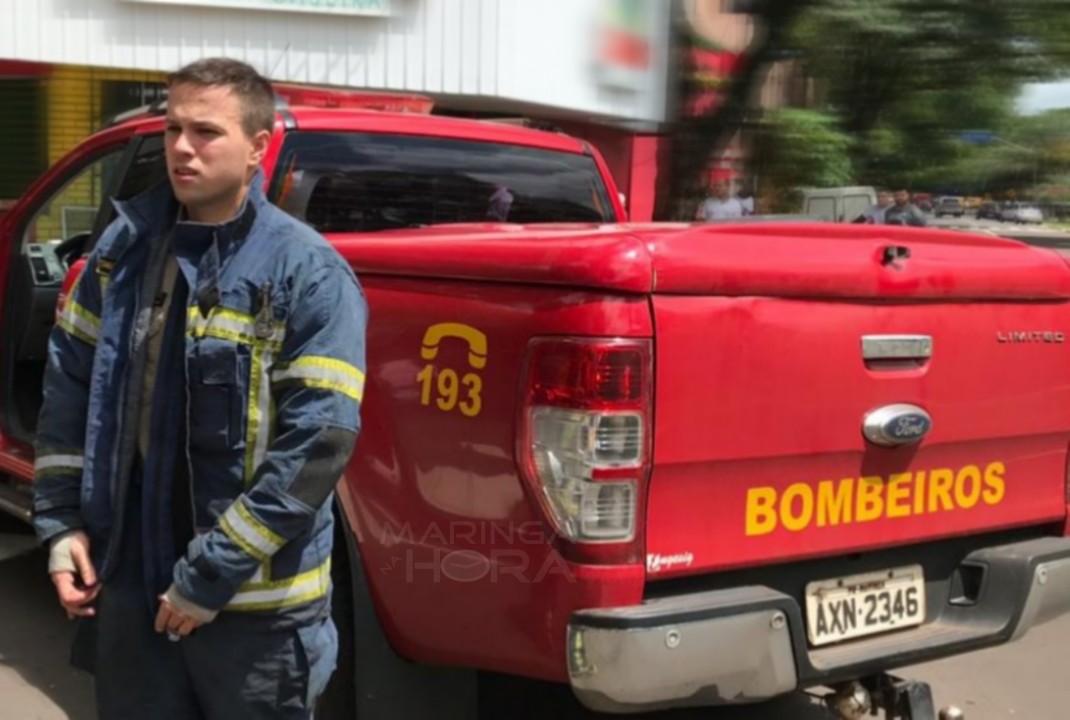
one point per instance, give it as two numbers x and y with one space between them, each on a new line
317 388
61 427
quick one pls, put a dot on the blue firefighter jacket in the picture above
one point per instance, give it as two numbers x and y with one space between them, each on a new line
270 376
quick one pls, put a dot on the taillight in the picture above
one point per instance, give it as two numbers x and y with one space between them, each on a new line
585 442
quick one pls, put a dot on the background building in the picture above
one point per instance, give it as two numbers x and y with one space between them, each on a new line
597 67
723 32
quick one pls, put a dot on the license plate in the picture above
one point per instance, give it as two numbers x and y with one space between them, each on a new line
850 607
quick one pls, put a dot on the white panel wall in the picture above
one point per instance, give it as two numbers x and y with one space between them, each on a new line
548 56
532 51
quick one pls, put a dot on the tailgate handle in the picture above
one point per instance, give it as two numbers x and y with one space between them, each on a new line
893 253
897 347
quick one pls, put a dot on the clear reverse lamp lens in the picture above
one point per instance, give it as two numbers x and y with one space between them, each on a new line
568 447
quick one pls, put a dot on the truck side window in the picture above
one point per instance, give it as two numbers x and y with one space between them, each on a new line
148 168
364 182
56 230
824 208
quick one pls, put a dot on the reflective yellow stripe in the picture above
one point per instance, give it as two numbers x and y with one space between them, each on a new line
225 324
90 318
273 595
79 322
328 363
76 332
261 413
325 373
248 533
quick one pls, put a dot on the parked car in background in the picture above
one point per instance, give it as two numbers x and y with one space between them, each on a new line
838 204
1009 212
1029 214
950 206
989 211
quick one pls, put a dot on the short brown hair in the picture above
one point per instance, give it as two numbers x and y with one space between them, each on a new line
252 89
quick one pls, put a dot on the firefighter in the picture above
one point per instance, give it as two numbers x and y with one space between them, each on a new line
201 400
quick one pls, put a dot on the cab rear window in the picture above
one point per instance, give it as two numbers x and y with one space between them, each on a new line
365 182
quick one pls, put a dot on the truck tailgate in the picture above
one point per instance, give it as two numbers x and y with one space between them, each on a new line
759 453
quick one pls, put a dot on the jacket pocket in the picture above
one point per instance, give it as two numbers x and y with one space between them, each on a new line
217 374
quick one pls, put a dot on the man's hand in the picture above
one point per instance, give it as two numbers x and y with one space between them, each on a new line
173 621
73 574
178 617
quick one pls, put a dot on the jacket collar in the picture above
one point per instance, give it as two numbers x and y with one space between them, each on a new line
153 212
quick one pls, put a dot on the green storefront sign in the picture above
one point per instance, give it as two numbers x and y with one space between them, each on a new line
335 7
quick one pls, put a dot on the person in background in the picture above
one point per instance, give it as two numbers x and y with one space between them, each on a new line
746 199
904 212
500 203
720 205
874 214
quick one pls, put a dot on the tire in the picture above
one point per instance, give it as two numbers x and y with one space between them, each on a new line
339 700
372 682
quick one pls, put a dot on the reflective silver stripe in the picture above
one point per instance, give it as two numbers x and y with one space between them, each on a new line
56 462
303 588
79 322
324 372
249 533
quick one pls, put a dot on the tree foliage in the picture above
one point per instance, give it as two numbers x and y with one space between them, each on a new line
903 79
874 56
697 139
798 148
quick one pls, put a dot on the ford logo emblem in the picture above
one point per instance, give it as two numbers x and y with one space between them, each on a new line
894 425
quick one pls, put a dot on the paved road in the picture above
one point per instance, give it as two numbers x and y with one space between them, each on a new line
1033 234
37 684
35 681
1025 681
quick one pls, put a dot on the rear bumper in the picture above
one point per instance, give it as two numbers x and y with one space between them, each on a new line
748 644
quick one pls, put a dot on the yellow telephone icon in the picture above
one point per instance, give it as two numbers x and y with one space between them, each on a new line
477 342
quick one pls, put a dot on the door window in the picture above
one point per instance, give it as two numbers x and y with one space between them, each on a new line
72 209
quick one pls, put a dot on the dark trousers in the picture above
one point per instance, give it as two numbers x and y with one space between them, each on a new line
240 666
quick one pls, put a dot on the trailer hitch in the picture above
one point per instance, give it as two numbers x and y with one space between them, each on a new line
899 699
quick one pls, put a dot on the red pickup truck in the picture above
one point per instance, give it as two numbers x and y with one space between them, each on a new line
667 465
